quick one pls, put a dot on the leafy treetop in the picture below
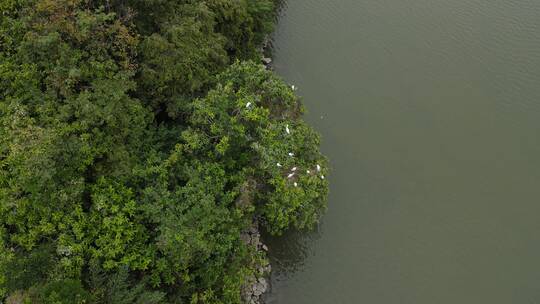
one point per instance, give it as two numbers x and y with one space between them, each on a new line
137 141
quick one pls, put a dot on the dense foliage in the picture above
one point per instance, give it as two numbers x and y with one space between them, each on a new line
138 139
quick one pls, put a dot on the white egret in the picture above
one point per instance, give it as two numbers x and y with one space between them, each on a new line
287 129
295 184
294 169
291 154
322 176
308 172
318 168
278 164
248 104
290 175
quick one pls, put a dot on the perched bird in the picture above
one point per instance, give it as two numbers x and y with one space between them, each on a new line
294 88
291 154
278 164
248 104
290 175
287 129
294 169
318 168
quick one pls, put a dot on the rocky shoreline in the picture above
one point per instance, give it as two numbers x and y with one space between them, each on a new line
258 283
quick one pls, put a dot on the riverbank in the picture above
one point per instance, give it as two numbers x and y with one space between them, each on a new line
130 131
258 284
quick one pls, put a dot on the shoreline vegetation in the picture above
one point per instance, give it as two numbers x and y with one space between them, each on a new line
143 144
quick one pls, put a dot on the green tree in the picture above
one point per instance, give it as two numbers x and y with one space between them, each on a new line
133 153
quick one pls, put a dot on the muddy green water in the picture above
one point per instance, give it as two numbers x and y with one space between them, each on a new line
430 114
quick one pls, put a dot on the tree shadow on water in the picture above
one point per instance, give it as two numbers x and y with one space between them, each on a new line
288 252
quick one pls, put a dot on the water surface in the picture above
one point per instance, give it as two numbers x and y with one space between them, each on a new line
430 115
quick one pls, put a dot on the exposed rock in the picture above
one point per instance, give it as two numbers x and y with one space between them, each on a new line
256 285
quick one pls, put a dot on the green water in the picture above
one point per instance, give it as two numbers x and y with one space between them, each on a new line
430 115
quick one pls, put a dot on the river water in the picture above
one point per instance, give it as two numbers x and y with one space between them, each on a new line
430 115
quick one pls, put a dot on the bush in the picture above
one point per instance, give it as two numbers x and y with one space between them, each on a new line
137 142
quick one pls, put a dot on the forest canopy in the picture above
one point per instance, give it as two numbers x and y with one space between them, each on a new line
138 140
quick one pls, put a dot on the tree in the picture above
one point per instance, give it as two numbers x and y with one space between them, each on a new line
133 154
